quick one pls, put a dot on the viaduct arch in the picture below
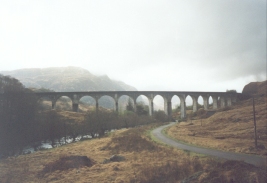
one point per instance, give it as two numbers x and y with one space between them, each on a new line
225 98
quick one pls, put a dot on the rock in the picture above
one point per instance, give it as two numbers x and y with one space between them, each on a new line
106 161
114 158
117 158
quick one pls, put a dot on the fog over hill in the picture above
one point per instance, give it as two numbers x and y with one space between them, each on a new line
62 79
66 79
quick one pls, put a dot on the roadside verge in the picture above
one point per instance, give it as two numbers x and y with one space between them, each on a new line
251 159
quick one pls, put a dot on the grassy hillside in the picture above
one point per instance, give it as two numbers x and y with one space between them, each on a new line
139 159
231 128
256 88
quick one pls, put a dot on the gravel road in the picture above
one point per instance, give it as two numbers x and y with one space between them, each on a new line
251 159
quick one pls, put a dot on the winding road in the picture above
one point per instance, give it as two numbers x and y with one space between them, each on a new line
251 159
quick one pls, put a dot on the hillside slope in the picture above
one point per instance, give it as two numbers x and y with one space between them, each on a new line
143 161
256 88
66 79
69 79
231 128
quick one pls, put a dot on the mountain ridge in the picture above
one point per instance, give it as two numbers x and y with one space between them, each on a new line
66 79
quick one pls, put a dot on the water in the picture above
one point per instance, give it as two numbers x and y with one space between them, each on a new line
48 144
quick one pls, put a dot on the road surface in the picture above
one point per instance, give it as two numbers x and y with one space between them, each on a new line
251 159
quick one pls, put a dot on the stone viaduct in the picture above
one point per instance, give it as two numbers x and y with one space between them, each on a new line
225 98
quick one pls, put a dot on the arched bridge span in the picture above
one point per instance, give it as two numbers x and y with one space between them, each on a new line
225 98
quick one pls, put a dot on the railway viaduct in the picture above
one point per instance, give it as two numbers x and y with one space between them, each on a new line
225 98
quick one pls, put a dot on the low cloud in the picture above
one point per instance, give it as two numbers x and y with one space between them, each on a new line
150 44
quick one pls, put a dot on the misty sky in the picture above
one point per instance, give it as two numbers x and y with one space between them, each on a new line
200 45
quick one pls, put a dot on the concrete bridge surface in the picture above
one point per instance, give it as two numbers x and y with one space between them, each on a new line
225 98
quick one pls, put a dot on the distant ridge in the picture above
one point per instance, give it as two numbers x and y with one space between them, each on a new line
66 79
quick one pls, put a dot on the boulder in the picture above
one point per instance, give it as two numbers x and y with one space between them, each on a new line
114 158
117 158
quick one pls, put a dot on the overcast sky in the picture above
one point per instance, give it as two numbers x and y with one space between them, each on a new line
198 45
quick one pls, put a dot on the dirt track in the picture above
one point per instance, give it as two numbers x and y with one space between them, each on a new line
251 159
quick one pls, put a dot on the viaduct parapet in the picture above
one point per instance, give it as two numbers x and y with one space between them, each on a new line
225 98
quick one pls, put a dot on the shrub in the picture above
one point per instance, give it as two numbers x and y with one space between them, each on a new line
160 116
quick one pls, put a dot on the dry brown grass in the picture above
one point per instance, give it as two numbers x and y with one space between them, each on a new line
229 130
74 116
145 161
67 162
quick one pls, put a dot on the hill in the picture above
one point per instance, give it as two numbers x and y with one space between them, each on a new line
255 88
231 128
62 79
